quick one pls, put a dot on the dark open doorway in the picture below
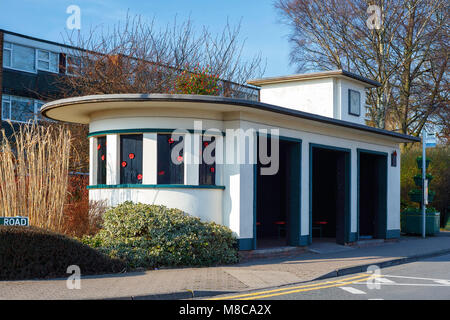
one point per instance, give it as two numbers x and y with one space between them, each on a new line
372 194
330 193
278 199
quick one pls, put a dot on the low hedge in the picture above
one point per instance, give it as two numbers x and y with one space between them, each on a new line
151 236
29 252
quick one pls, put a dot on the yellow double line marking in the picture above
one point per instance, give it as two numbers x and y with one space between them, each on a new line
303 288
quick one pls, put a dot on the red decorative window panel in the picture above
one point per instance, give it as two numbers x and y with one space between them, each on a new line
131 156
170 171
207 172
101 160
139 176
124 164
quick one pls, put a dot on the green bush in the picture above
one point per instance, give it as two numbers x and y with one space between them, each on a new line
151 236
30 252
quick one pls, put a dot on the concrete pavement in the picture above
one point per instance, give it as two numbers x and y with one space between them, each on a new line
319 261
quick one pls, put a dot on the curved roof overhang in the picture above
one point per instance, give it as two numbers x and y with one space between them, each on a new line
80 109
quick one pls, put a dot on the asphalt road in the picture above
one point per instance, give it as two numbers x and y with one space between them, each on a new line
427 279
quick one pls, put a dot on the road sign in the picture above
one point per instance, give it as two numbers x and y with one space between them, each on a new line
430 140
14 221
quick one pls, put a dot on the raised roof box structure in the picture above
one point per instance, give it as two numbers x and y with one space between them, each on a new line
335 94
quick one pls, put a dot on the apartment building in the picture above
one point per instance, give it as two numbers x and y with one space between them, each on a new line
28 74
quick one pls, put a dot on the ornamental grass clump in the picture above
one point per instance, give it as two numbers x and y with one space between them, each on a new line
34 164
151 236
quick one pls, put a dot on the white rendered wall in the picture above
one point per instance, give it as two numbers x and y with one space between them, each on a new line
343 86
238 182
92 161
313 96
112 159
192 156
393 222
149 158
326 97
203 203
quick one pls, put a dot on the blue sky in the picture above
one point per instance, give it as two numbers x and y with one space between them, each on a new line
260 28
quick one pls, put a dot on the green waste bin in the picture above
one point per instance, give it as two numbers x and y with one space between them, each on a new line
411 223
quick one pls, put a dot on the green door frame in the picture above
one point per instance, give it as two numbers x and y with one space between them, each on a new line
382 211
294 226
347 207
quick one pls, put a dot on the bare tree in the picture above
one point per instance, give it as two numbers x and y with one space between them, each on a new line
408 54
138 57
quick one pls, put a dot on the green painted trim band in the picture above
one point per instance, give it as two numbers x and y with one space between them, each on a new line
372 152
142 130
246 244
328 147
304 240
393 234
153 186
285 138
353 237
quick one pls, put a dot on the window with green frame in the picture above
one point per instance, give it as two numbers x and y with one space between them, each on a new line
101 160
131 159
207 169
170 171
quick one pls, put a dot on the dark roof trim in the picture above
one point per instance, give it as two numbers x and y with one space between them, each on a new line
222 100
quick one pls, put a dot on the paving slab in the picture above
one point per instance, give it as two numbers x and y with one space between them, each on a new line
185 283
